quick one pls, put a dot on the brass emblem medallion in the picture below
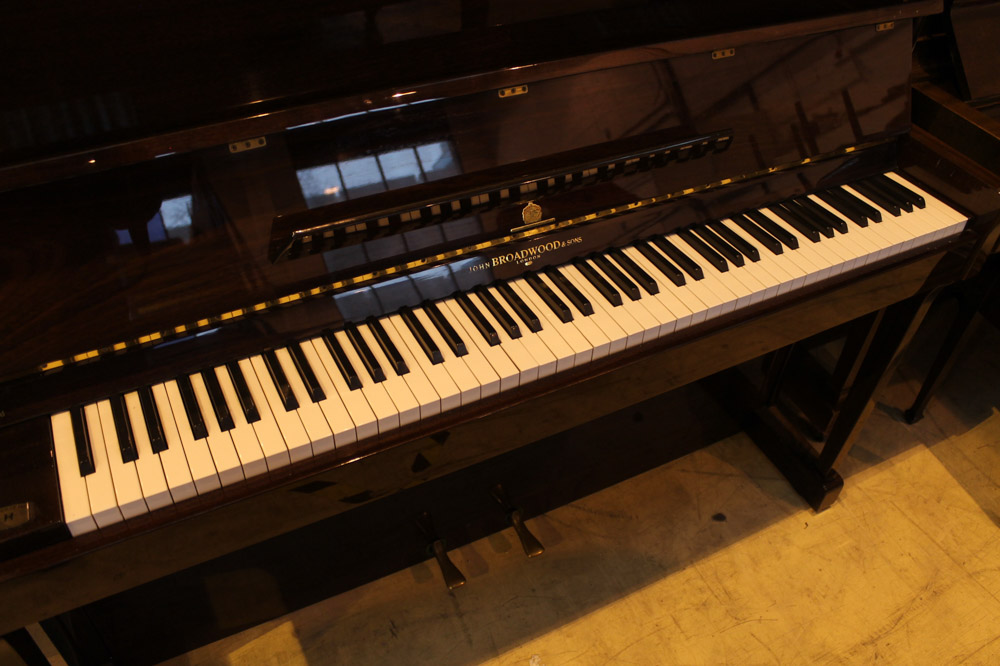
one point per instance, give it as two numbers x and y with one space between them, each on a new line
531 213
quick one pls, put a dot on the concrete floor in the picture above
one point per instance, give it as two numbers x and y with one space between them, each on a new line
713 559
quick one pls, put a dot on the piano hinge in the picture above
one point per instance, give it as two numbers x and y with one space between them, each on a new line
15 515
719 54
888 25
512 91
247 144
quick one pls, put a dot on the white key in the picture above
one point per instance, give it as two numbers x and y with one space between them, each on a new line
488 379
514 348
444 386
826 264
100 487
123 474
196 451
244 438
567 333
420 386
147 465
728 279
687 294
544 358
338 417
461 374
867 249
509 374
953 221
174 460
313 419
564 354
718 300
595 335
655 319
407 406
365 421
772 279
901 238
272 443
297 441
680 312
535 343
72 487
616 321
227 462
379 401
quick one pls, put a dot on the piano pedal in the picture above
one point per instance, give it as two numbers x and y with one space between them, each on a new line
453 578
532 546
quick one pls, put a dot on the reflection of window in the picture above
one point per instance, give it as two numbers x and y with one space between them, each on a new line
176 215
173 220
359 177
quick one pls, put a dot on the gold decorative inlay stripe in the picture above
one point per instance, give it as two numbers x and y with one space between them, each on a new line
541 229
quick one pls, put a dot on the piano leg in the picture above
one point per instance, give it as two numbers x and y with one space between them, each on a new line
972 296
873 349
899 322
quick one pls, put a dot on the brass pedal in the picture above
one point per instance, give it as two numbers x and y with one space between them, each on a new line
453 578
532 546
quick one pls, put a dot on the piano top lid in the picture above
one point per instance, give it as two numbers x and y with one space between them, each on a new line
120 90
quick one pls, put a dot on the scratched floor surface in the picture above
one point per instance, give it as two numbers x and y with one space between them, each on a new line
712 559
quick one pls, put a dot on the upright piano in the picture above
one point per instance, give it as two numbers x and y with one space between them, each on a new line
263 266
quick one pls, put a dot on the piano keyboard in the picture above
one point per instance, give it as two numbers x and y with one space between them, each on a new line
134 453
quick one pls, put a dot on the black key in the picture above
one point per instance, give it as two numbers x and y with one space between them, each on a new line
365 354
388 348
884 202
81 437
341 359
479 320
719 245
661 263
759 235
445 328
499 313
621 281
890 194
836 200
903 191
795 222
813 221
521 308
602 286
423 338
817 211
737 241
151 416
190 403
306 373
635 272
243 394
699 246
123 428
787 238
218 400
274 369
574 295
684 262
549 297
872 213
